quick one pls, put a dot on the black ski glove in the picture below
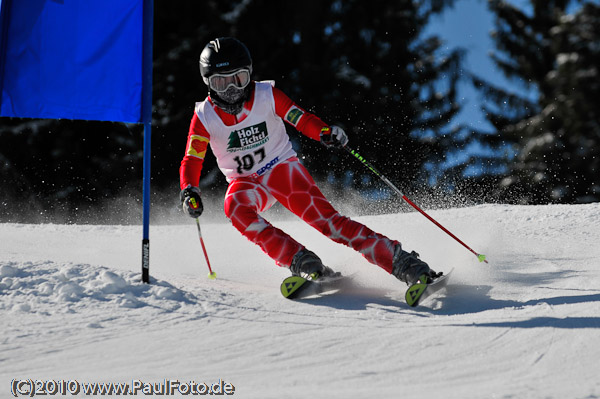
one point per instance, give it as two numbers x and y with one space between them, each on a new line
334 137
191 201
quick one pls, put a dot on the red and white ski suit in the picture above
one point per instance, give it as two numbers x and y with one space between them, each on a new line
254 153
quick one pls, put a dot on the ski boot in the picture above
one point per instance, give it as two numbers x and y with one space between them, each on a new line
309 266
407 267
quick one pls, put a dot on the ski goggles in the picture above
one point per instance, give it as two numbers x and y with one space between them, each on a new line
220 82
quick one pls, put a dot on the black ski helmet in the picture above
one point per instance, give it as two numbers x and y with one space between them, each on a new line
222 55
225 54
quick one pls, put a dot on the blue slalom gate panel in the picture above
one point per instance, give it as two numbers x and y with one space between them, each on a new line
72 59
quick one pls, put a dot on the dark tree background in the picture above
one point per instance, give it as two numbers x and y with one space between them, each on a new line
365 65
362 66
550 47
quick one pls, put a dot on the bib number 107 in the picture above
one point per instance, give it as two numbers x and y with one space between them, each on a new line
248 161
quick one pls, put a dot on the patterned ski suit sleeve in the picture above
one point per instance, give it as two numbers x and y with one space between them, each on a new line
191 164
308 124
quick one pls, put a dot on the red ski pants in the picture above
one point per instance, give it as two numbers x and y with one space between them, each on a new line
291 184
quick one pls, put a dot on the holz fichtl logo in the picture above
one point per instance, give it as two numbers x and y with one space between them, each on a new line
248 137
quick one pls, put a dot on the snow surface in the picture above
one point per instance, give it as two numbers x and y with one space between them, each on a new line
525 326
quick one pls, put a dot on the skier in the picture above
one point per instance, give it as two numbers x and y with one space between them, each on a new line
243 121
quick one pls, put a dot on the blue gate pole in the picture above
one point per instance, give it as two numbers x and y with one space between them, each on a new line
147 120
146 206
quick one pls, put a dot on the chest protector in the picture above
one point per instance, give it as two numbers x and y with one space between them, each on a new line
253 146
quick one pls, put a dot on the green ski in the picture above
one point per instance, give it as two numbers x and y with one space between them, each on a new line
296 287
418 292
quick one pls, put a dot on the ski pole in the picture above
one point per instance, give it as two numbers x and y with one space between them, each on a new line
211 275
481 257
